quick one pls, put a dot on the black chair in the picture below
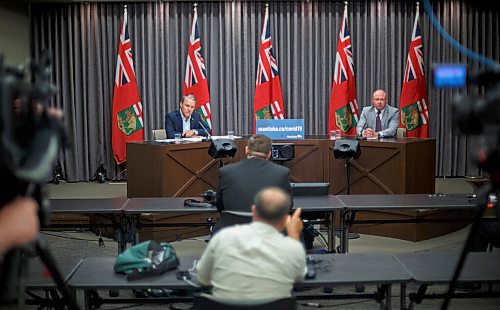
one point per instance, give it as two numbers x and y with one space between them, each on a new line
229 218
310 189
203 302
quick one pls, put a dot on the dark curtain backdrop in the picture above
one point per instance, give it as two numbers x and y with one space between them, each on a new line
83 39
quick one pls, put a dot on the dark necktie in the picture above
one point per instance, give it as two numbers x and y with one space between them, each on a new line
378 123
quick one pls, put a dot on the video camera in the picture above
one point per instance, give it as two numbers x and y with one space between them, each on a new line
476 114
30 139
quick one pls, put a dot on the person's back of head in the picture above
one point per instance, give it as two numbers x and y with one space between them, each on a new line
259 145
271 205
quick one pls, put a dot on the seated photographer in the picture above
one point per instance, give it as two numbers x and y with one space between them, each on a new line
256 261
18 223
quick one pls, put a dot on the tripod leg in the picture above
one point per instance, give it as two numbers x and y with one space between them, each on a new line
49 262
12 278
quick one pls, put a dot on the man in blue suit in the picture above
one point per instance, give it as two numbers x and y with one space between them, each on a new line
185 121
379 120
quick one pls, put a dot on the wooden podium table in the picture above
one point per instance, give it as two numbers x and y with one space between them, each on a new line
170 170
389 166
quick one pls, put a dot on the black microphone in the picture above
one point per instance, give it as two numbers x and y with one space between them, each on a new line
208 137
360 135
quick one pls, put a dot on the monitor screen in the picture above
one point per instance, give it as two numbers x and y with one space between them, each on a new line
309 189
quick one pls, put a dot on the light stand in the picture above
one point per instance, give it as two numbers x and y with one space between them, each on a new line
222 148
348 215
347 150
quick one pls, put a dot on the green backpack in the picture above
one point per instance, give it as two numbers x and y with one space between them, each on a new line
146 259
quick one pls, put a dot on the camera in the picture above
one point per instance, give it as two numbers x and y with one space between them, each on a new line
282 151
30 139
476 114
209 196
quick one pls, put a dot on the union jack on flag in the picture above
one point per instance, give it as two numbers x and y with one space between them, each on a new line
343 113
414 103
415 62
343 57
268 100
125 63
195 63
267 63
195 81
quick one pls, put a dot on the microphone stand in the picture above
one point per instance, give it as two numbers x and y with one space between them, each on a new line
207 137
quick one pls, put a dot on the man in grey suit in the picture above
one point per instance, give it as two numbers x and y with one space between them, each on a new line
379 120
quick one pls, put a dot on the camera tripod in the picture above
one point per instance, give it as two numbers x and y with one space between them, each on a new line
349 215
14 273
481 204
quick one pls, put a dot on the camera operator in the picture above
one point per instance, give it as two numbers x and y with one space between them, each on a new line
19 218
18 223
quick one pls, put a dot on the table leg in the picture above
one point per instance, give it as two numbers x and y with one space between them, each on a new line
87 299
403 296
331 232
344 231
388 297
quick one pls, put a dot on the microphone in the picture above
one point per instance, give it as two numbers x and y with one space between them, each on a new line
208 137
360 135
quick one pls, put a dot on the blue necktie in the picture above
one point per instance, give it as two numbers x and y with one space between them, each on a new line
378 123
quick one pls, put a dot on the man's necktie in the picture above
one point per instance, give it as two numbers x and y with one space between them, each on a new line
378 123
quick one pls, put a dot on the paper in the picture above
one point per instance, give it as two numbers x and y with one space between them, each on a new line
225 137
193 139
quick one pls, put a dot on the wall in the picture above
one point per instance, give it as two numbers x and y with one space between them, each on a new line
14 33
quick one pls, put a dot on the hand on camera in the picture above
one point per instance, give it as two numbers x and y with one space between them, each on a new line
294 225
18 223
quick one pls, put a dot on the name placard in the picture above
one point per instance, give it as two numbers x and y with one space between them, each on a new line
281 129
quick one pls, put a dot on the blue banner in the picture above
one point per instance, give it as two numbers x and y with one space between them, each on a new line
281 129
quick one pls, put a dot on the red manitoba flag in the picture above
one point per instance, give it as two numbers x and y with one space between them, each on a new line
196 82
127 124
343 113
414 104
268 99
